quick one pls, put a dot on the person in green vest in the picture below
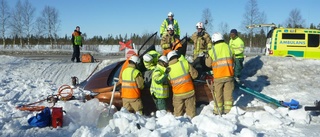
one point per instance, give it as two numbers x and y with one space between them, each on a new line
159 85
237 47
150 60
220 59
167 22
76 40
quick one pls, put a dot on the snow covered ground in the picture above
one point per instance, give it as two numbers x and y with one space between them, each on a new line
26 81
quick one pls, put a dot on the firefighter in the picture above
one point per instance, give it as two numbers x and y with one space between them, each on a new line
202 43
180 74
237 47
150 60
132 83
170 21
159 86
170 41
220 58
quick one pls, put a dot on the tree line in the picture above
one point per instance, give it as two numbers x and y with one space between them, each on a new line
19 26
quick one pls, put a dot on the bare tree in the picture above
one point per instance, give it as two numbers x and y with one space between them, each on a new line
16 22
39 29
252 16
4 19
28 19
224 28
50 20
295 19
207 20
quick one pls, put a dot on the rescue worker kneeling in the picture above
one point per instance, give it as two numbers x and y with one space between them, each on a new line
159 86
180 74
132 83
220 58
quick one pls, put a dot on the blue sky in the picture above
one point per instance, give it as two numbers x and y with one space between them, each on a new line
103 17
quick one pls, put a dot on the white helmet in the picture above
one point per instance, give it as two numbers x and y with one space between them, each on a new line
170 14
216 37
164 59
147 57
171 54
135 59
199 25
170 27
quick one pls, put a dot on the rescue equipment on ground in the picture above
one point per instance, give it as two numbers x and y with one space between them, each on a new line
87 58
75 81
65 93
57 117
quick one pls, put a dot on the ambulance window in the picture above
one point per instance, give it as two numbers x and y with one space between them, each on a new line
293 36
313 40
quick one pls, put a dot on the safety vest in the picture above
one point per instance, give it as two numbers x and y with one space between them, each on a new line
222 60
237 46
129 87
159 90
77 38
180 78
164 25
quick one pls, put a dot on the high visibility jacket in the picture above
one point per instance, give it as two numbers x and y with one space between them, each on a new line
129 85
237 47
152 64
167 40
164 25
222 60
159 86
201 43
76 38
180 79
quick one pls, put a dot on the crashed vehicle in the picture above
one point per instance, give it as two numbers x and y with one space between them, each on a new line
102 84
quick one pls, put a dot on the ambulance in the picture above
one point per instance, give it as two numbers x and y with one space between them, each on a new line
294 42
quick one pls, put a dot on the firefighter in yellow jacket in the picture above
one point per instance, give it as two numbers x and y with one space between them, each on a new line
132 83
170 41
159 86
220 58
180 75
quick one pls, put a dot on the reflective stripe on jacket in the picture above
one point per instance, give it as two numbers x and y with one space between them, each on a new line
237 47
129 86
201 43
180 78
164 25
222 60
159 89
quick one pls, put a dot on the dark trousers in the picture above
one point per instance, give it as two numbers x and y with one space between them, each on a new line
238 66
76 53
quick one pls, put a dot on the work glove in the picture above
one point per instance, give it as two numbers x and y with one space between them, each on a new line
167 70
